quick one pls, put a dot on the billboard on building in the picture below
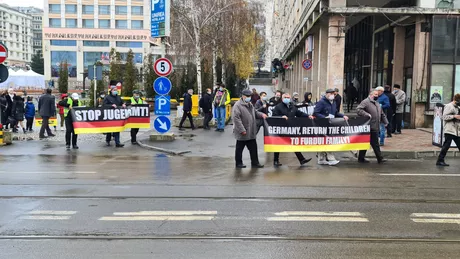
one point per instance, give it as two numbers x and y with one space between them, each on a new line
160 18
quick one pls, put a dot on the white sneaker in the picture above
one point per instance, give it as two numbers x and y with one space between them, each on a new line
333 162
322 162
62 129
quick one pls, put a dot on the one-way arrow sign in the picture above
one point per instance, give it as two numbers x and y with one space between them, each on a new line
162 124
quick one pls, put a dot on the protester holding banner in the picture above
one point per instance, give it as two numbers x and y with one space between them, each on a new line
288 110
296 98
307 99
326 108
245 129
113 100
371 108
135 100
275 100
68 104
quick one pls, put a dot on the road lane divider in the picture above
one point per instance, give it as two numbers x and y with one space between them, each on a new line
406 174
162 216
440 218
47 172
320 216
49 215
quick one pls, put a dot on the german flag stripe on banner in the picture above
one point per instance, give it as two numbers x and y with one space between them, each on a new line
319 135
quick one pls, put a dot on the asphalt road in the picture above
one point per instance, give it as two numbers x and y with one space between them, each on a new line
107 203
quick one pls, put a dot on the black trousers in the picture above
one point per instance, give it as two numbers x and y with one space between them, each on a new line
30 123
350 103
375 146
397 122
390 118
45 126
252 147
184 116
447 142
207 119
134 135
69 132
299 156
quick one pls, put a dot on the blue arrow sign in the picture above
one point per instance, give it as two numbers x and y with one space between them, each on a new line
162 105
162 124
162 85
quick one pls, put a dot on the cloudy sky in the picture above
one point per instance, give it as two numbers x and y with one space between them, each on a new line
36 3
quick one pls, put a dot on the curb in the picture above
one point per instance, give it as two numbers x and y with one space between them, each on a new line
413 154
163 150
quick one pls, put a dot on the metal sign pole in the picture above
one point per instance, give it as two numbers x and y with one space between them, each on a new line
95 86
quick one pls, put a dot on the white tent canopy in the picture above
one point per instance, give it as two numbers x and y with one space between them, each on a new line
23 80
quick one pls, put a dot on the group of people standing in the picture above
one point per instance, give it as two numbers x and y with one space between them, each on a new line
14 110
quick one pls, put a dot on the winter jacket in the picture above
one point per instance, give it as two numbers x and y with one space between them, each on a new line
206 103
400 96
324 108
3 103
110 100
290 111
308 101
275 102
9 105
370 108
224 98
244 120
384 101
338 101
260 107
392 98
18 108
187 102
47 105
30 110
451 125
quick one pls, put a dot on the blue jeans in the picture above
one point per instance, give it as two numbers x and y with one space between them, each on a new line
116 135
382 133
220 117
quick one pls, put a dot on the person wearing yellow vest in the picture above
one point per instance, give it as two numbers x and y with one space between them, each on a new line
221 100
68 104
135 100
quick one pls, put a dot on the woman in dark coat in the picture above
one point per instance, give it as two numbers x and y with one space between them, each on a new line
17 112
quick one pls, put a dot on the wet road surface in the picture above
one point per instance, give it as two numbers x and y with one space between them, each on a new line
147 205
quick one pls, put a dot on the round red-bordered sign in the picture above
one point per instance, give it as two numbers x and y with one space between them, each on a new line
306 64
163 67
3 53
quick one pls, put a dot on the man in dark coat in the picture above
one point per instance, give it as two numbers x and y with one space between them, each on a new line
288 110
390 111
3 106
187 109
113 101
337 99
9 106
206 106
17 113
47 109
275 100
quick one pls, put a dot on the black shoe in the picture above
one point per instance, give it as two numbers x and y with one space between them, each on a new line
134 142
222 130
217 130
67 146
303 162
389 136
43 137
24 130
51 135
193 128
107 143
257 166
383 160
397 133
119 145
240 166
277 164
363 161
75 147
181 129
441 163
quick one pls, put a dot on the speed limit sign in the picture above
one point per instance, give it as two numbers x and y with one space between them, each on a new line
163 67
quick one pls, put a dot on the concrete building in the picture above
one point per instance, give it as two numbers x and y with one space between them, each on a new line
84 31
16 34
37 25
369 43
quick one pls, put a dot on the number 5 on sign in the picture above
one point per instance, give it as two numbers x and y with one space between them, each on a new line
163 67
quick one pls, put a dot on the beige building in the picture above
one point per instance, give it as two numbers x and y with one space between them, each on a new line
37 25
369 43
16 34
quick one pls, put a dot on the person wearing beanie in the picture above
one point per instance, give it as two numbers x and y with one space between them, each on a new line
113 101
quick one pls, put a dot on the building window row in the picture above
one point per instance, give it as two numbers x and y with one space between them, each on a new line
91 43
67 43
128 44
89 23
89 9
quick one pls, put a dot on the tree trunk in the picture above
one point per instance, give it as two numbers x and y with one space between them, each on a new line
214 61
198 65
224 78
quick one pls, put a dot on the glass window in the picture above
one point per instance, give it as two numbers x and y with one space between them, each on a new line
121 24
54 8
121 9
89 58
457 79
71 23
137 24
443 40
70 8
128 44
63 42
89 43
137 57
88 9
137 10
441 80
104 9
58 57
88 23
104 24
55 23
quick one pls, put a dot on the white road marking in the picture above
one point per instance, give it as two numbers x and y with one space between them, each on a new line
159 218
326 219
46 217
441 221
436 215
48 172
420 175
318 213
52 212
165 213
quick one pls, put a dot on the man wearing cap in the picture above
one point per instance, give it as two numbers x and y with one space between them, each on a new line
384 102
135 100
221 100
296 98
68 104
326 108
245 129
113 101
337 99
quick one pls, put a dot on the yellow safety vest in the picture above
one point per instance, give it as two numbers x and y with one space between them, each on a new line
133 101
70 103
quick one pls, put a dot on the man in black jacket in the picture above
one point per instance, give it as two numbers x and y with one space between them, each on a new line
206 106
47 109
390 111
187 109
287 110
113 101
